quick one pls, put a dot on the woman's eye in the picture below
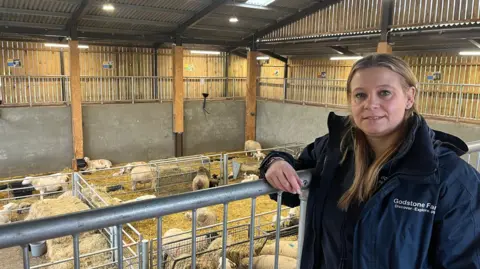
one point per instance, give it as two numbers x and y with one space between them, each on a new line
360 95
385 93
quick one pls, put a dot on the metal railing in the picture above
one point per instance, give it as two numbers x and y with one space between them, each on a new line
55 90
455 101
21 234
216 87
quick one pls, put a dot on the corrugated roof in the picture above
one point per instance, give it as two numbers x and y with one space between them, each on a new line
44 5
32 19
131 13
433 26
188 5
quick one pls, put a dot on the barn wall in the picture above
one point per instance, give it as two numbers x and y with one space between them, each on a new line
221 130
126 132
35 140
279 123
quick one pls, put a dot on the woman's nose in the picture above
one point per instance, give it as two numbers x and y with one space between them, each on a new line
372 102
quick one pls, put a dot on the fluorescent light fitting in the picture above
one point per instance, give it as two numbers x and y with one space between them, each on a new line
262 3
343 58
54 45
108 7
205 52
469 53
233 19
263 58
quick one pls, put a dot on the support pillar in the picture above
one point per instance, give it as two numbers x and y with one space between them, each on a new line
251 96
178 98
76 103
384 47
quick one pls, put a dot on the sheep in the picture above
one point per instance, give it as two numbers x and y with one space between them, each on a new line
143 174
176 242
214 181
211 259
205 217
93 165
252 145
141 198
128 168
5 213
283 221
267 262
248 178
259 155
201 180
49 183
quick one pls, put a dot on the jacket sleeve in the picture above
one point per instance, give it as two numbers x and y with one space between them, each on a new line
457 232
306 160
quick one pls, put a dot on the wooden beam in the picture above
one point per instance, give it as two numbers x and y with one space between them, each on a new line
178 98
76 102
251 96
384 47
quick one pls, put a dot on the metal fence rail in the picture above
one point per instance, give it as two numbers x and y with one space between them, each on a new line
456 101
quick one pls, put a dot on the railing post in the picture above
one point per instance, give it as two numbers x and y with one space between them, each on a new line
301 225
225 169
284 90
460 101
143 254
30 91
133 90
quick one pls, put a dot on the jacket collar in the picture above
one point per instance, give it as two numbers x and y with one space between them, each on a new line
417 157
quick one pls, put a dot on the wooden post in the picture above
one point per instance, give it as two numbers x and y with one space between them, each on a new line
178 97
251 96
384 47
76 103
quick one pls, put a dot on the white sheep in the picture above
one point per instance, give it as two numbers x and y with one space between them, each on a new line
49 183
252 145
259 155
283 221
248 178
6 211
205 217
141 198
93 165
128 168
143 174
201 180
176 242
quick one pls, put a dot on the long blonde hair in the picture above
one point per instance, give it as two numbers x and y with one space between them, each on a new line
366 174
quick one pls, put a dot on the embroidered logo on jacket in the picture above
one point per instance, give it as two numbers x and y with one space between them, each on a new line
414 206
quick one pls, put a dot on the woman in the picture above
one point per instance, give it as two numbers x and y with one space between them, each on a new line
387 191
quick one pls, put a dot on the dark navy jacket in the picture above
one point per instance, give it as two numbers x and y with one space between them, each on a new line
425 215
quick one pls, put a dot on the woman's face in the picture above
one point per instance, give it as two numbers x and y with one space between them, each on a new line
379 101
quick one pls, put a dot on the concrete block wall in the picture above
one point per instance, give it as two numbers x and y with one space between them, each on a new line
35 140
223 129
279 123
125 132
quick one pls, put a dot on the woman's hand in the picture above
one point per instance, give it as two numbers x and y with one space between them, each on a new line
282 176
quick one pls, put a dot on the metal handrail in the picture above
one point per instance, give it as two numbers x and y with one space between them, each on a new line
22 233
473 146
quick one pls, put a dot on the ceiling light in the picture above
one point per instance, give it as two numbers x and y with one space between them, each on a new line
263 58
259 2
469 53
343 58
205 52
233 19
108 7
54 45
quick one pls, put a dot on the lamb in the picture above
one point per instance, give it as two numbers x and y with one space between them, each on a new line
259 155
176 242
205 217
93 165
214 181
49 183
5 213
128 168
248 178
252 145
141 198
283 221
201 180
143 174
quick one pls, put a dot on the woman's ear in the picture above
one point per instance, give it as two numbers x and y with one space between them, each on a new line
410 93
